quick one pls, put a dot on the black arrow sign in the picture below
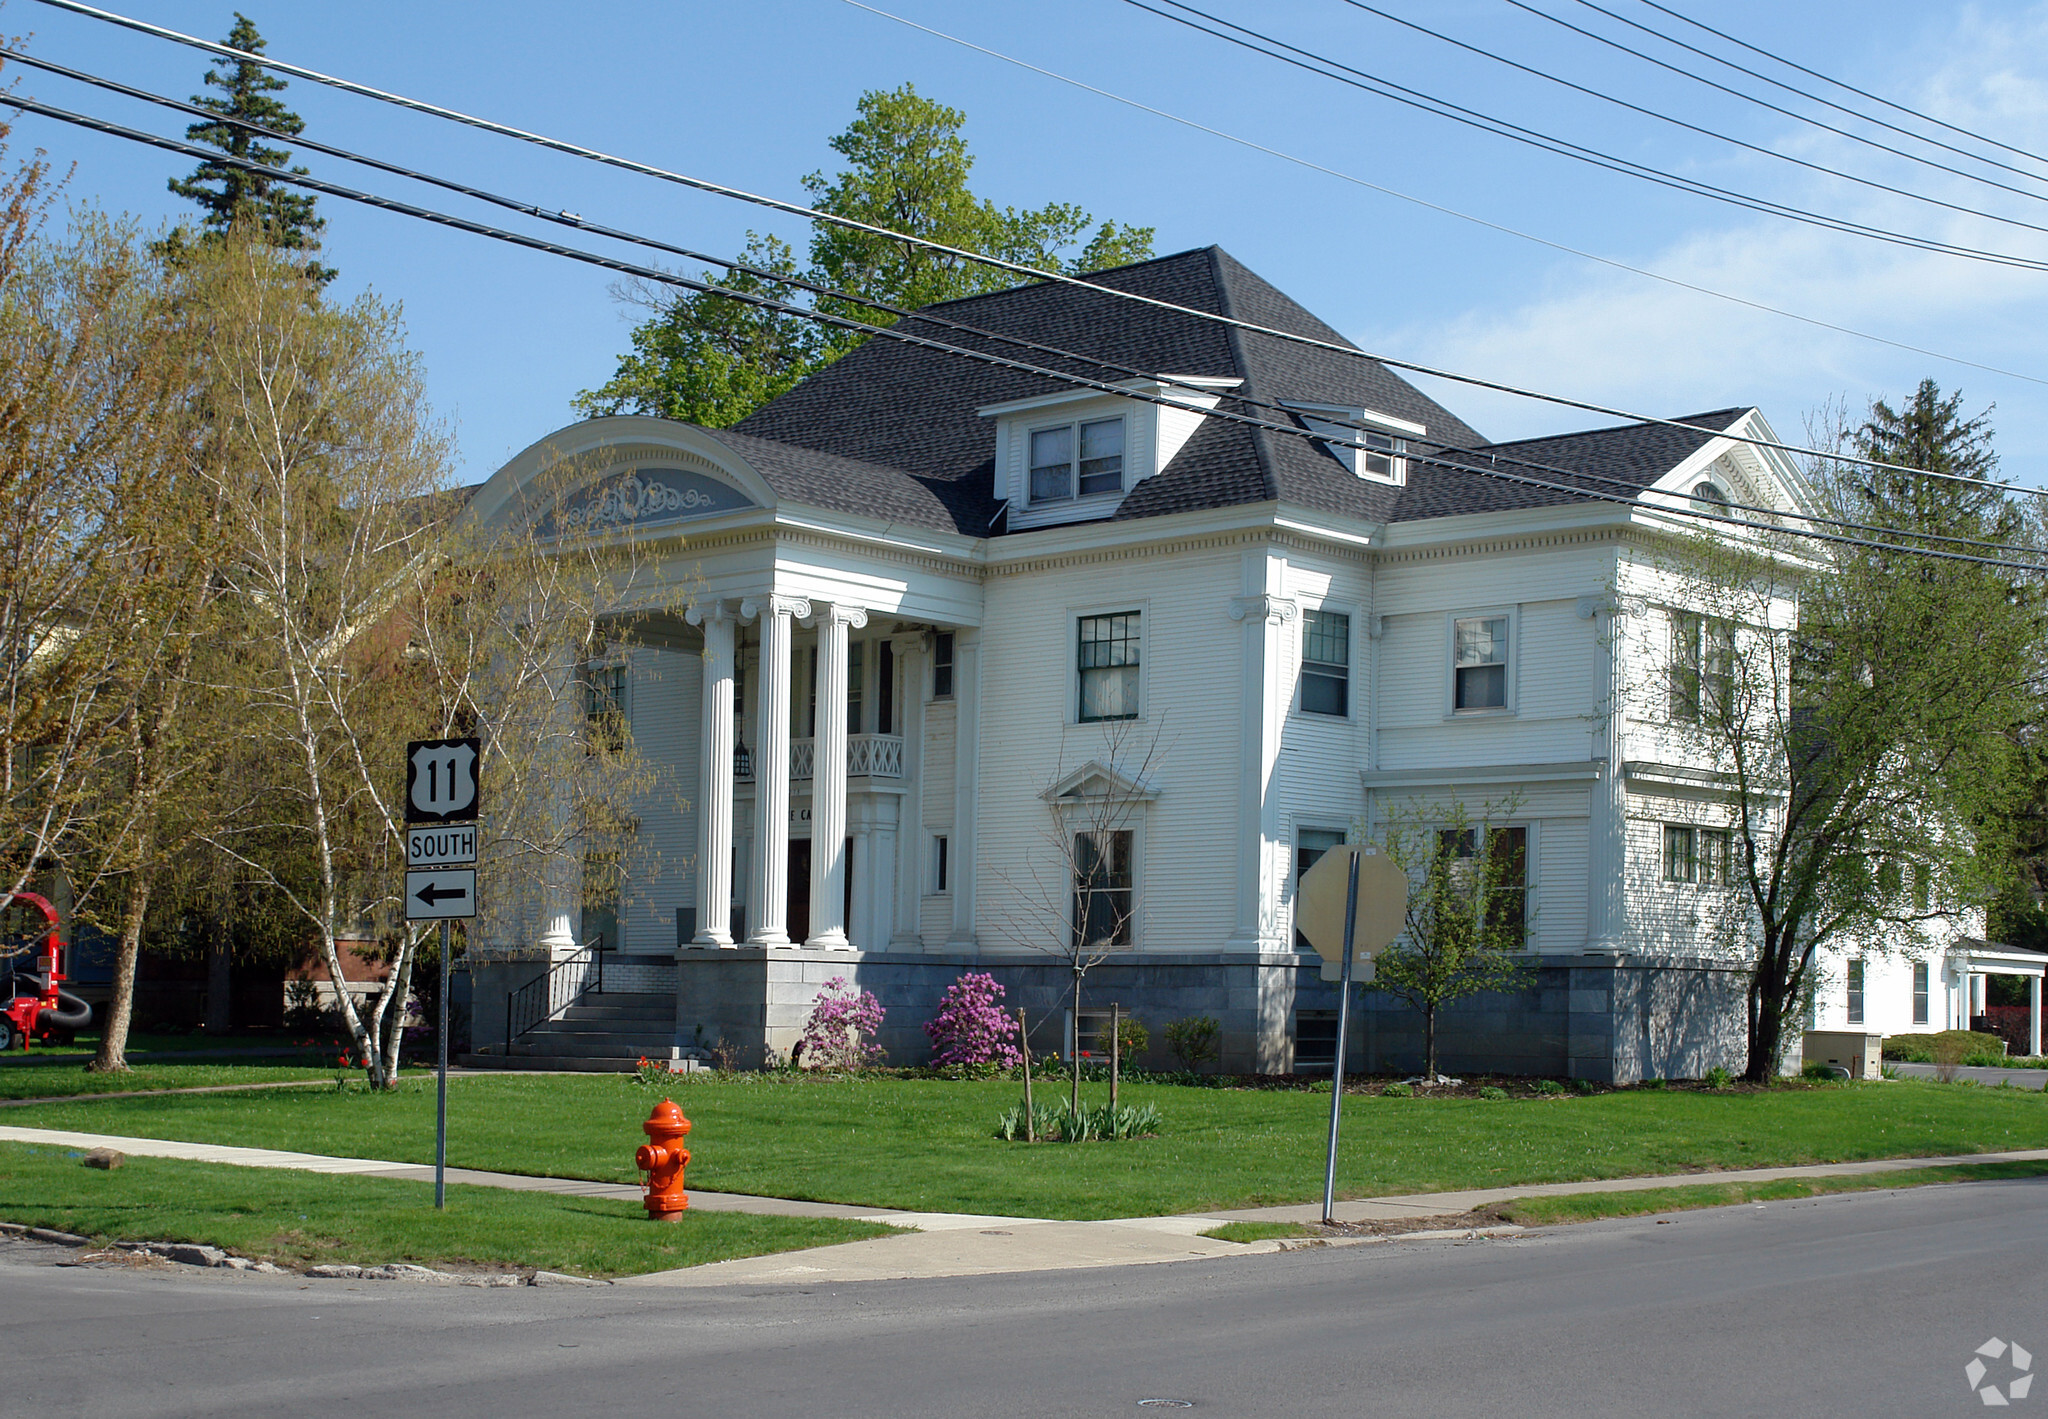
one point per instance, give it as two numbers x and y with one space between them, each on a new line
431 894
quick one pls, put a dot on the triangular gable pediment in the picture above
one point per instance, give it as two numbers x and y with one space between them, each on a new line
619 473
1096 780
1746 475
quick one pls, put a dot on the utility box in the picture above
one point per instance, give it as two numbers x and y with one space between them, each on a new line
1853 1050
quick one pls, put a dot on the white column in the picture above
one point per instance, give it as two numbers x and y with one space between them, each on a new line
1607 859
562 872
2034 1016
714 776
1261 715
828 778
966 779
769 913
911 847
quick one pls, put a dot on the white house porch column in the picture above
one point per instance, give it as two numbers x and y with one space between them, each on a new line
2034 1015
715 771
828 778
562 872
1262 715
966 784
769 906
1607 830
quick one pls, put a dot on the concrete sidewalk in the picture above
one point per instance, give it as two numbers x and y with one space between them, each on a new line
966 1244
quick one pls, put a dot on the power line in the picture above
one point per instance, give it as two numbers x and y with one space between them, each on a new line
1794 114
1493 455
1033 273
1439 207
659 276
1825 79
1342 73
1715 134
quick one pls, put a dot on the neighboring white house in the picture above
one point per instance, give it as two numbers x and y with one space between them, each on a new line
928 598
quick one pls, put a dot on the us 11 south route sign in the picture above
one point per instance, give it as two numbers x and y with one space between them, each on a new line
441 780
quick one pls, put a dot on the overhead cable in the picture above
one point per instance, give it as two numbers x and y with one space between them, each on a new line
894 333
1328 68
1032 273
1439 207
1283 412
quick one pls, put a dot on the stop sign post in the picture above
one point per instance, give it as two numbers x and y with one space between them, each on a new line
1353 901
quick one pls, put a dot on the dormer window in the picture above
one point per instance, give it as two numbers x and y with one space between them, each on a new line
1369 444
1079 459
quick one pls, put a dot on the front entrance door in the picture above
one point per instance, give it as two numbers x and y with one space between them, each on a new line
799 900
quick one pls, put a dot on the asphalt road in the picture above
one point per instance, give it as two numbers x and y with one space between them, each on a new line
1866 1305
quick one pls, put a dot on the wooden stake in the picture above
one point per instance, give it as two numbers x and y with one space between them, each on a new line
1024 1038
1116 1044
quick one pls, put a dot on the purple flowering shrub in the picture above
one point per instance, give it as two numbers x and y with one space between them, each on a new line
839 1032
972 1028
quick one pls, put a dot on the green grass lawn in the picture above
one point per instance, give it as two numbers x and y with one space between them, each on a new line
302 1219
35 1081
1590 1206
926 1145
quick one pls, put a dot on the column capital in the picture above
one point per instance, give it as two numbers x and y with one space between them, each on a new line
718 609
1263 606
836 613
775 604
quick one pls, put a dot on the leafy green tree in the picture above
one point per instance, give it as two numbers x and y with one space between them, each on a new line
1467 917
710 360
228 193
1871 714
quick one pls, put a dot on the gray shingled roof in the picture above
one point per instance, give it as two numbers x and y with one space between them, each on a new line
890 430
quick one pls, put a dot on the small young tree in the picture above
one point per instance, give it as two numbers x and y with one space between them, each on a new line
1075 898
1467 917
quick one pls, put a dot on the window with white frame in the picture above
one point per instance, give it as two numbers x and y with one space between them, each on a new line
1104 886
1702 856
1702 670
1505 888
1326 663
604 705
1076 460
941 864
1309 846
1479 662
942 666
1381 454
1920 974
1856 992
1107 656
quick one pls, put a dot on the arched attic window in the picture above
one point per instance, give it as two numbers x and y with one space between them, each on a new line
1709 496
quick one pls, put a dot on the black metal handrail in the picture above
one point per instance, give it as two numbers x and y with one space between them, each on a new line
553 991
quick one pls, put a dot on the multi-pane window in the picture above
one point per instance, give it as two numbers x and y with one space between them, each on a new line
1701 855
1108 659
1919 992
604 882
1702 678
1057 471
604 705
1315 1039
885 687
1681 853
1479 662
1102 888
942 666
1506 888
1856 992
941 867
1326 663
1309 846
1380 454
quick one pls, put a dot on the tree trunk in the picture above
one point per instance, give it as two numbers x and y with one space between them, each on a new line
1429 1044
112 1057
1074 1096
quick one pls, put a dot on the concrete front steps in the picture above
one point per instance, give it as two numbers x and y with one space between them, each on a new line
600 1034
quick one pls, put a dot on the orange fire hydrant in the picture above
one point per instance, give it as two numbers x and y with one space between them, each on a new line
662 1157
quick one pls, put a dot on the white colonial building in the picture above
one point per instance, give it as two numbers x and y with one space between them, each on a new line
936 610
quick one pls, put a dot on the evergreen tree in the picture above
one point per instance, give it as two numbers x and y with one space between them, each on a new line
228 193
1930 432
707 360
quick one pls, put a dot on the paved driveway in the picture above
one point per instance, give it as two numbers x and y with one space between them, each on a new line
2018 1078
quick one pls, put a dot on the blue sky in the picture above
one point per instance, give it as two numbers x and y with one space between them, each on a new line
748 94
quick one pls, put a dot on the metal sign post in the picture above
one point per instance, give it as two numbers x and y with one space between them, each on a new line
441 1085
443 791
1343 1039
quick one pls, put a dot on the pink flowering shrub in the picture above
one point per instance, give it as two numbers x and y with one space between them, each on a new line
839 1033
971 1026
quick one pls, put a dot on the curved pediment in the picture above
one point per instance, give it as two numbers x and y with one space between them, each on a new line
621 474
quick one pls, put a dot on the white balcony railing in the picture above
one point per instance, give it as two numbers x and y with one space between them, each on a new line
867 756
